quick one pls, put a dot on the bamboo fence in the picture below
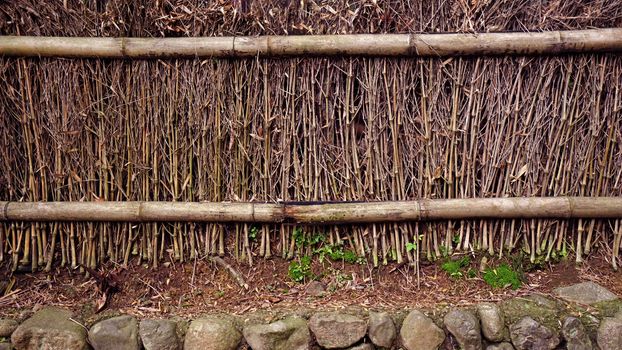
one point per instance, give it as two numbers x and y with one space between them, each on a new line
306 129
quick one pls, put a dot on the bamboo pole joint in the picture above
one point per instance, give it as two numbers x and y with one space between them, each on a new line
3 213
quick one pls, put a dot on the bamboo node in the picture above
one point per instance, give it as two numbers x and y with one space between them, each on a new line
139 212
122 47
4 214
571 207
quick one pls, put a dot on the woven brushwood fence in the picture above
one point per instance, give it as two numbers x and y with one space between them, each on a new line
308 129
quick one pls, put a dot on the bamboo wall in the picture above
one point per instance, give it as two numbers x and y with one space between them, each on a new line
306 129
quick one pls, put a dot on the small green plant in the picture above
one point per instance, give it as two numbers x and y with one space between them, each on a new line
326 250
558 256
410 246
337 253
342 277
302 240
316 239
299 237
502 276
298 271
252 233
564 253
456 239
454 267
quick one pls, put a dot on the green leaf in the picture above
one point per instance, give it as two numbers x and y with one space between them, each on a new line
454 267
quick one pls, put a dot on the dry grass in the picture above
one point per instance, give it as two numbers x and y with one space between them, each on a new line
306 129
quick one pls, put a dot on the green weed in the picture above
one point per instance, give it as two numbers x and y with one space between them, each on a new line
303 240
502 276
252 233
299 271
337 253
454 267
410 246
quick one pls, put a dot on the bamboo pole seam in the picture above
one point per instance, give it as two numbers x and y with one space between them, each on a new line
5 208
318 213
413 45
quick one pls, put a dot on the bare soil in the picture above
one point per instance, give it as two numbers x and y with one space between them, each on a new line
193 288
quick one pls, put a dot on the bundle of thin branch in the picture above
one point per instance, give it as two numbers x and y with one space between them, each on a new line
308 129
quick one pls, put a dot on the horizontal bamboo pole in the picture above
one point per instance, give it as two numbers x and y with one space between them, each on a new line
422 45
317 213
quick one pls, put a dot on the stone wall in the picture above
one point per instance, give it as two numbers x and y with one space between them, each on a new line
584 316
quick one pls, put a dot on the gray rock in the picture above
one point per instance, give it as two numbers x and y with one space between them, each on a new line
315 288
545 311
364 346
335 330
7 327
6 346
492 322
609 335
116 333
542 300
500 346
575 335
291 333
465 328
159 335
212 333
24 315
381 330
50 328
586 293
527 334
419 332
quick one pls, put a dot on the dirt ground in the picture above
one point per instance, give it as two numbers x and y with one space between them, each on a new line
193 288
